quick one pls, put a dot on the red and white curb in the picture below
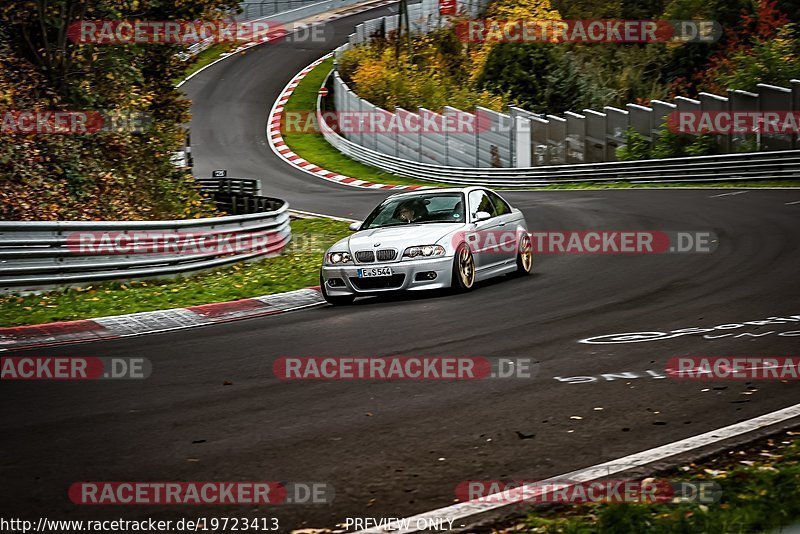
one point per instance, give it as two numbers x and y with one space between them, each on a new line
280 148
137 324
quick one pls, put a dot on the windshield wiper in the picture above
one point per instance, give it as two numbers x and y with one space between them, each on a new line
387 226
408 224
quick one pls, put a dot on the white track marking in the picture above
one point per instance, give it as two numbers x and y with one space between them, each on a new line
728 194
312 214
499 500
793 203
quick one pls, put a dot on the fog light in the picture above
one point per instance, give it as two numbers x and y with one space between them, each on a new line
336 282
427 275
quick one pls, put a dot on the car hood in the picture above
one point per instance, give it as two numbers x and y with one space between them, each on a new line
400 237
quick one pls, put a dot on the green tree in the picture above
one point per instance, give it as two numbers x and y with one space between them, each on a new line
520 70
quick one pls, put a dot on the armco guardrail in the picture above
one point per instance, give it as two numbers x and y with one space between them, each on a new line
40 255
266 8
235 196
778 165
241 186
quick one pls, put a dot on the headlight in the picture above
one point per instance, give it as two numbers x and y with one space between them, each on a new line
335 258
425 251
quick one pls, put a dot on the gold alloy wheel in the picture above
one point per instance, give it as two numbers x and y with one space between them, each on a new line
526 253
466 267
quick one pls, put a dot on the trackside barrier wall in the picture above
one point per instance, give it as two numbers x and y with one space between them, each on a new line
521 139
746 166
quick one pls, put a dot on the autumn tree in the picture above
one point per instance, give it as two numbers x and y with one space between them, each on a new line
105 175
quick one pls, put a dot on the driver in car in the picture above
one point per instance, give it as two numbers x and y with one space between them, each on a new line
410 211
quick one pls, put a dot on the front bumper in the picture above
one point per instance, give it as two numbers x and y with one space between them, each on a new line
404 277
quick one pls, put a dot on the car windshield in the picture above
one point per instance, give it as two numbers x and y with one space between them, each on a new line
417 209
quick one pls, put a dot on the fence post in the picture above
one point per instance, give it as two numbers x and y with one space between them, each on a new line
743 101
576 137
595 136
796 109
556 140
616 124
773 98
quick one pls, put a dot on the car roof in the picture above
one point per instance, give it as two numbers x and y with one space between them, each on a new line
464 190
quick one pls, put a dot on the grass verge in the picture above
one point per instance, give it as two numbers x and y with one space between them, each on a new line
760 486
206 57
314 148
297 268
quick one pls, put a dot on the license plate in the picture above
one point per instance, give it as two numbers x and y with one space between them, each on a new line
374 271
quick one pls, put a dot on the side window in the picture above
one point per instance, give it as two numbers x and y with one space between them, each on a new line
479 201
499 204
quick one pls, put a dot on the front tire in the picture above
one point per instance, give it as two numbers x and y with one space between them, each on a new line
340 300
463 269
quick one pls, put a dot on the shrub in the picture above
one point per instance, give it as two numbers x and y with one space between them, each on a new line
636 146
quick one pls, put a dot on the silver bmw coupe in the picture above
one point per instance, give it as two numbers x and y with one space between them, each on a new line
429 239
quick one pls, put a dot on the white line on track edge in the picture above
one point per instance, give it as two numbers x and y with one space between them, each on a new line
314 214
734 193
499 500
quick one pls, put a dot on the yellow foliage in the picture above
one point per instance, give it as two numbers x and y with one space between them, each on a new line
522 10
432 79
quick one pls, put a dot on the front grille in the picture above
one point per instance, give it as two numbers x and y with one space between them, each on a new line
387 254
365 256
378 282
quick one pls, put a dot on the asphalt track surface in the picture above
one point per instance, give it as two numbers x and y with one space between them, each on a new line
393 449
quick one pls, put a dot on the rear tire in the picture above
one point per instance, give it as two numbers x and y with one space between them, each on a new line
524 256
341 300
463 269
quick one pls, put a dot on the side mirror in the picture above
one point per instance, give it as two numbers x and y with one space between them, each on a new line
355 226
482 216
